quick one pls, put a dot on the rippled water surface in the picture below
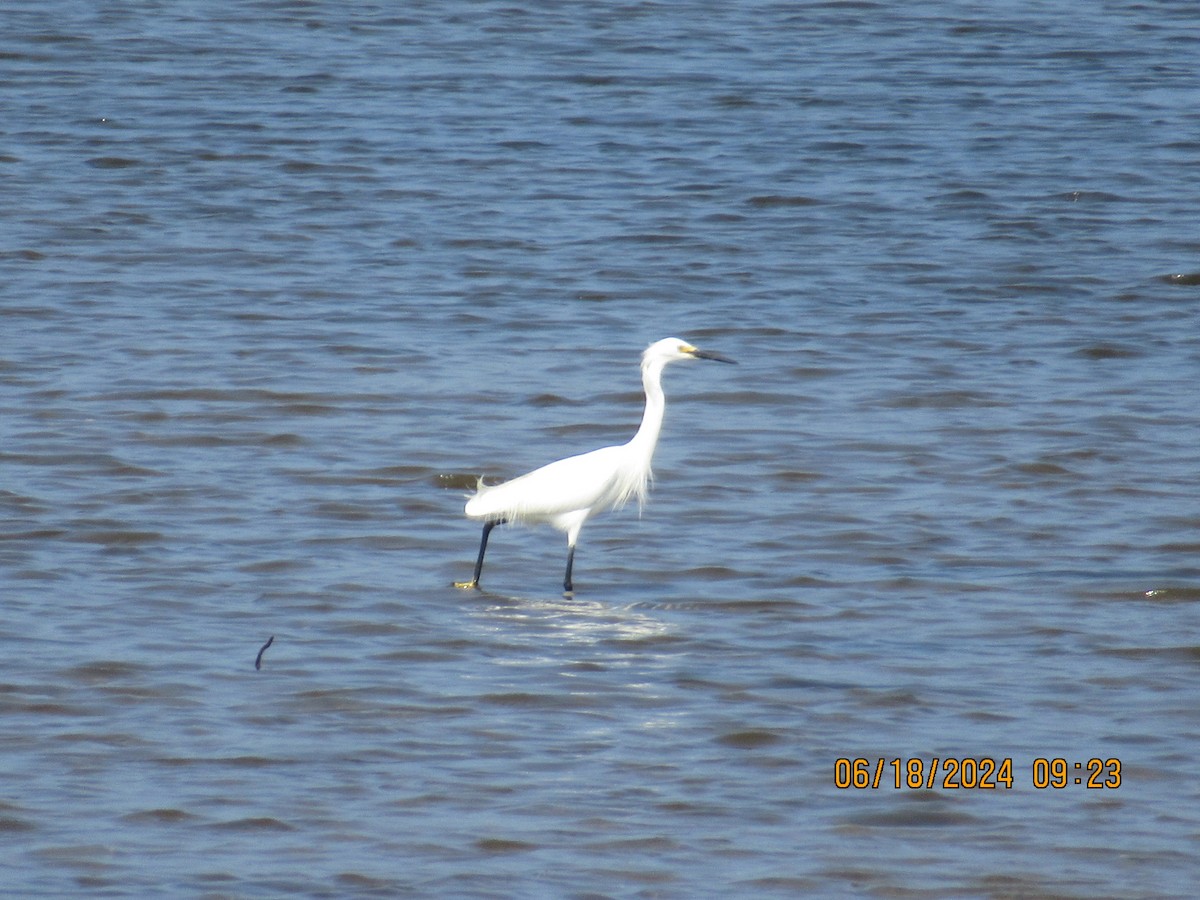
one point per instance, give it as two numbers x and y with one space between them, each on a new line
280 280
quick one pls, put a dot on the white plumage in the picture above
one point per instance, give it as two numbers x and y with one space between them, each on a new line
568 492
607 478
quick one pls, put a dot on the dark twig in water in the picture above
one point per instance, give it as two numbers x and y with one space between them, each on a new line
258 659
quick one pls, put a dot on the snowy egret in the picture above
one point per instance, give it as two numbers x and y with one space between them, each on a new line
568 492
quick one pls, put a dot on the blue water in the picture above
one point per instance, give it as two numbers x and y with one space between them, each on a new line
281 280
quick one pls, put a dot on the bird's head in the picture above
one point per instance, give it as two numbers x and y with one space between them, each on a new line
672 349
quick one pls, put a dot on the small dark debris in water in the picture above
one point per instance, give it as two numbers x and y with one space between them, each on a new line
1183 278
261 651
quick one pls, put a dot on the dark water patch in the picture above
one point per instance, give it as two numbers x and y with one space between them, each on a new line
653 238
15 825
542 401
788 683
1109 351
504 845
588 432
37 535
1093 197
234 762
768 201
735 101
650 843
114 538
201 441
789 886
252 762
368 542
1179 654
51 708
744 605
944 399
416 656
750 398
458 481
36 575
588 666
104 671
363 885
688 808
310 409
79 858
748 740
382 477
270 566
915 816
797 476
1186 548
1165 595
24 255
805 581
113 162
117 739
372 628
1183 279
162 816
491 243
526 700
99 463
253 317
253 825
984 717
888 699
965 197
235 396
644 876
711 573
1043 468
345 512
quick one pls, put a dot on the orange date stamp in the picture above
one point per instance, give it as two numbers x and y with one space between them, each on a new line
982 773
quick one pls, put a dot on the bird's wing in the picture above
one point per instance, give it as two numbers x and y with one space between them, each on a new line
581 482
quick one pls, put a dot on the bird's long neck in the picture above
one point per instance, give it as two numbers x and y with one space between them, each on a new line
646 438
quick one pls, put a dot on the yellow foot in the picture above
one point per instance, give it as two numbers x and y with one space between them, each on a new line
466 585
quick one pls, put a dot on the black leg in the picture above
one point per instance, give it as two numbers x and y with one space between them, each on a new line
568 587
487 530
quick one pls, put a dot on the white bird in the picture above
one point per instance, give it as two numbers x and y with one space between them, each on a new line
568 492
